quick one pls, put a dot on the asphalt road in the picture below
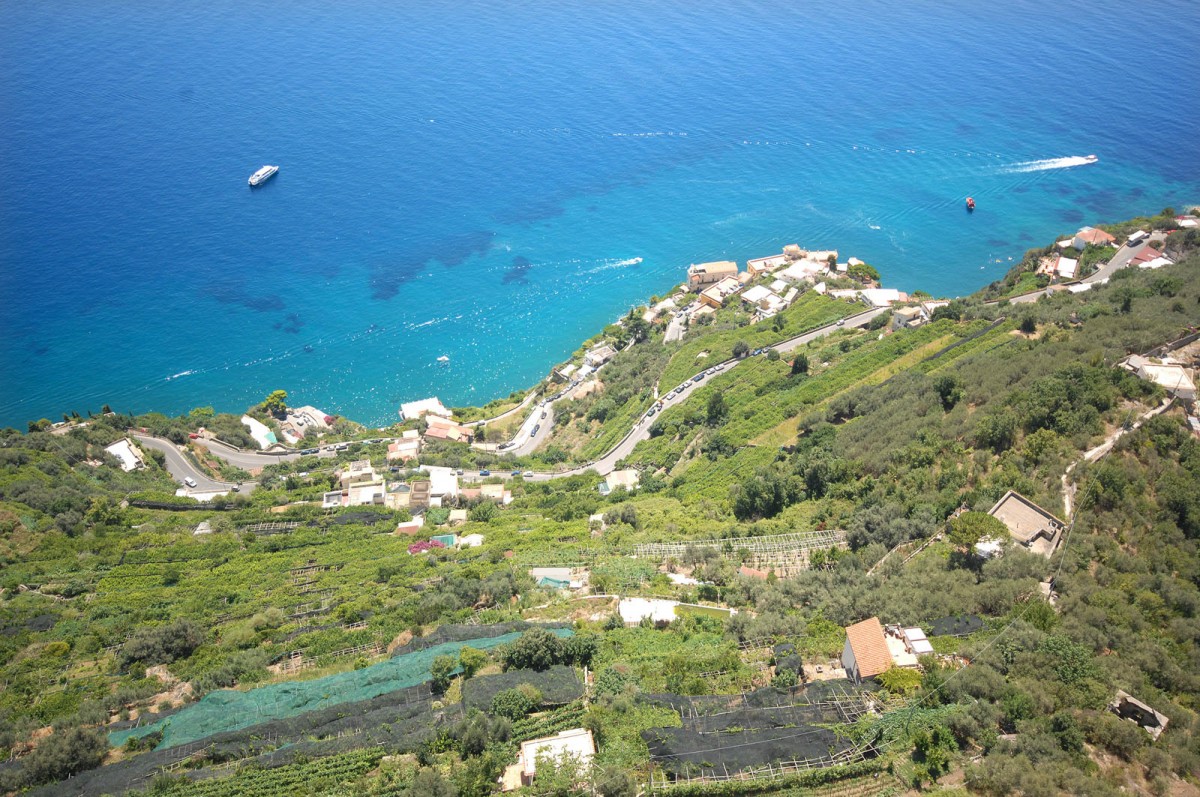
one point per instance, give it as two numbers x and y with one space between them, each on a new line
1117 262
526 441
181 467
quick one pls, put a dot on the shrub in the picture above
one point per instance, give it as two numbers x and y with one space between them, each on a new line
512 704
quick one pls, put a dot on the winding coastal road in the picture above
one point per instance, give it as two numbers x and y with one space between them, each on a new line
541 419
1100 276
180 467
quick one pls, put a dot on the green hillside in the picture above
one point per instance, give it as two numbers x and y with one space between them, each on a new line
780 503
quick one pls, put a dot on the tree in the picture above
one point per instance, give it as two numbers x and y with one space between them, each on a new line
63 754
483 512
536 649
162 644
430 783
276 403
970 527
717 409
442 669
472 660
949 390
800 365
773 354
740 349
862 273
637 327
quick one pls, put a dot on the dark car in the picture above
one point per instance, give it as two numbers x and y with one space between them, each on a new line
516 473
485 473
308 451
535 430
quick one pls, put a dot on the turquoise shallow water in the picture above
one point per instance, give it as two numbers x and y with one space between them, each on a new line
475 180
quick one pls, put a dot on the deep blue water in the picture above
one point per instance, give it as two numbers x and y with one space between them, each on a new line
467 178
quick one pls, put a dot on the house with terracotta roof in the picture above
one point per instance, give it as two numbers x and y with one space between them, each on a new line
1150 257
446 429
406 448
1093 236
866 652
750 572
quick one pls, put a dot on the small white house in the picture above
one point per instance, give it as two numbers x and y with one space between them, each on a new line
127 453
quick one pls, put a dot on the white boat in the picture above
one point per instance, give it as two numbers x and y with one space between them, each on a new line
262 175
443 359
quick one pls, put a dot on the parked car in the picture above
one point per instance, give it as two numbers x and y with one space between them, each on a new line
458 472
503 446
543 413
308 451
528 474
536 427
515 473
193 436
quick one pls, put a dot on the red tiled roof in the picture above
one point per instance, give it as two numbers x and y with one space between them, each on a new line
869 647
752 573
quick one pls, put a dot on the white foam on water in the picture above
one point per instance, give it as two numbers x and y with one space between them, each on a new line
1048 163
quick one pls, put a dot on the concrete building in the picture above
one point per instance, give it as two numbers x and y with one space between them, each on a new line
765 265
1126 706
1027 523
368 493
628 479
866 653
418 409
599 355
908 317
715 295
882 297
1067 267
127 454
406 448
443 485
577 744
398 496
704 274
360 470
1169 374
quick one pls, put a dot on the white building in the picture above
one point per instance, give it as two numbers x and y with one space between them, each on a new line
1067 267
576 744
1172 376
125 451
259 431
443 484
628 478
417 409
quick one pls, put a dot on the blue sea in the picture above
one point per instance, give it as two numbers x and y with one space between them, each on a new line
494 182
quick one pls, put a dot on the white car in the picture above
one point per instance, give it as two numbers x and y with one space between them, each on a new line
189 481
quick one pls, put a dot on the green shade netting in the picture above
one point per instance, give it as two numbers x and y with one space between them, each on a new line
229 710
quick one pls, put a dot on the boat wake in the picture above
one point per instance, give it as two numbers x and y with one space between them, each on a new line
180 374
633 261
1050 163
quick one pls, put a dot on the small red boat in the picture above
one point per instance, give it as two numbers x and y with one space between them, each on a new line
970 203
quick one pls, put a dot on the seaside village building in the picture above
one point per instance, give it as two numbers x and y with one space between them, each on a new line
418 409
406 448
715 295
870 649
1027 523
704 274
127 454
